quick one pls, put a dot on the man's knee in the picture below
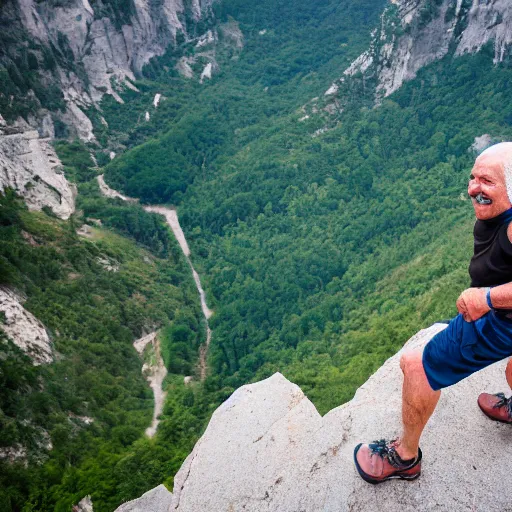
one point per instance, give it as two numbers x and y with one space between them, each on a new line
411 361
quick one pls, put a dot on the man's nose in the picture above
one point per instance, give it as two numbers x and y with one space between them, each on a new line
473 188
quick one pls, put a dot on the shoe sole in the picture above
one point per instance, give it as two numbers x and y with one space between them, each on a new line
493 418
370 480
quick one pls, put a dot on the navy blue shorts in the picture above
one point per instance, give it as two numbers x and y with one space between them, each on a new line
464 348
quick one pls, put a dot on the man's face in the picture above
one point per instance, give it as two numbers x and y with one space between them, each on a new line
487 187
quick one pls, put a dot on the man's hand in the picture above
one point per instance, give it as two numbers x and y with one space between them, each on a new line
472 304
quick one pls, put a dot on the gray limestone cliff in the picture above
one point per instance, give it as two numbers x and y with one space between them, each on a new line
92 48
267 449
23 328
30 166
414 33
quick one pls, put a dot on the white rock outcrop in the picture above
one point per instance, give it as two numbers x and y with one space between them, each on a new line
408 39
24 329
267 449
30 166
85 504
481 143
155 500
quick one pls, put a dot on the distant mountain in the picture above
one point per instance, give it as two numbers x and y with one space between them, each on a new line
415 33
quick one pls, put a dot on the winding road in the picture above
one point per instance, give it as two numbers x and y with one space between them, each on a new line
155 374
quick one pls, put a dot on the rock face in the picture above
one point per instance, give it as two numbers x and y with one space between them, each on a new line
268 449
100 45
24 329
84 505
414 33
30 166
156 500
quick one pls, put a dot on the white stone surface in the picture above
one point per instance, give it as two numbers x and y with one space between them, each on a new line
141 343
481 143
109 264
85 504
24 329
184 67
155 500
332 90
267 449
30 166
207 72
205 39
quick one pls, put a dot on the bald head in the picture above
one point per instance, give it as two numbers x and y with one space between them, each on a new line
501 153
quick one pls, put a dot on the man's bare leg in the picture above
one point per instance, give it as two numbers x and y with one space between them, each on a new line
508 372
418 402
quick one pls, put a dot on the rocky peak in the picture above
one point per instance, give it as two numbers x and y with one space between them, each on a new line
414 33
267 448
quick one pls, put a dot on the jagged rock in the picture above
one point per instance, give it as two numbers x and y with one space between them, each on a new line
30 166
207 72
24 329
85 231
184 67
267 448
84 505
407 39
481 143
109 264
155 500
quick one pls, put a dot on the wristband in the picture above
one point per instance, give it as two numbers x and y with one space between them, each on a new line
488 298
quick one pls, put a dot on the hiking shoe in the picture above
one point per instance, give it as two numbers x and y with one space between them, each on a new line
379 461
497 407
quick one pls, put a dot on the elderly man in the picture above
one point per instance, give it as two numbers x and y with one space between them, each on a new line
478 336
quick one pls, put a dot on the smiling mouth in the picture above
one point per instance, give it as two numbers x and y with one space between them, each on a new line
481 199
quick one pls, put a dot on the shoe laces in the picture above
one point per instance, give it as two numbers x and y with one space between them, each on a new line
387 450
504 402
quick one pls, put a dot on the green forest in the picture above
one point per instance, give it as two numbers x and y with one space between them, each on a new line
324 239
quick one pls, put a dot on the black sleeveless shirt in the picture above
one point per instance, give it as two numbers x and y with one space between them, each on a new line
491 264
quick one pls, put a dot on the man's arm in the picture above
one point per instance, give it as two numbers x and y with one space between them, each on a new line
472 303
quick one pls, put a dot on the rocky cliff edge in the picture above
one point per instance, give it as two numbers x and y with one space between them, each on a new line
267 449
